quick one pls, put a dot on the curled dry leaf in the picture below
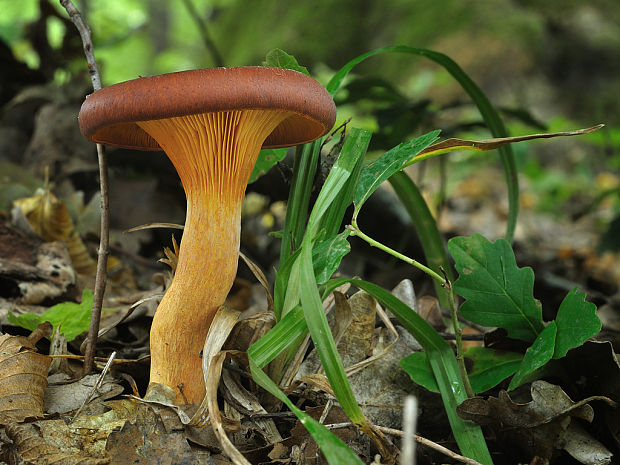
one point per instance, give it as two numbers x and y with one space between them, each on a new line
214 373
23 378
536 427
50 219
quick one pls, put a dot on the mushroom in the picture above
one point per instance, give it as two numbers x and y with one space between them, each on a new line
212 124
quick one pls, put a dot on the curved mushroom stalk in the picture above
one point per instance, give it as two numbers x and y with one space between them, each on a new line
214 154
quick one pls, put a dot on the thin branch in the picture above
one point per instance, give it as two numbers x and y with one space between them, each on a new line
104 241
204 31
419 439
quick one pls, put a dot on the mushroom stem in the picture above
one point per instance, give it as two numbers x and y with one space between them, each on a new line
214 154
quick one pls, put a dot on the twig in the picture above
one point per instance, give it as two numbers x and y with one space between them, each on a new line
104 241
419 439
96 387
204 31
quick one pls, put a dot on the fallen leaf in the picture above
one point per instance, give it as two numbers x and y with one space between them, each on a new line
50 219
23 377
67 397
144 440
536 427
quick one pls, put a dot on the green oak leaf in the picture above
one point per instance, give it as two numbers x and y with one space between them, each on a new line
537 356
491 367
576 321
498 293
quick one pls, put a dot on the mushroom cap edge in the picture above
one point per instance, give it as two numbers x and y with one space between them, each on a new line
108 115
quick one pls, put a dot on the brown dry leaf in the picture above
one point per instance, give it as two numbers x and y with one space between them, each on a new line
213 375
583 447
429 309
67 397
600 378
50 219
537 426
144 440
247 404
23 378
40 442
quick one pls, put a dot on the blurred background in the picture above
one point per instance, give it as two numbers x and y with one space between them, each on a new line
548 65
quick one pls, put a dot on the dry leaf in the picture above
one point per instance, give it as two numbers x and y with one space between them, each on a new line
537 426
144 440
50 219
67 397
49 442
23 378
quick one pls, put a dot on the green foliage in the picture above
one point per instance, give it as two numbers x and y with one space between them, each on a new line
576 321
278 58
536 356
327 255
265 161
499 293
73 319
490 367
375 173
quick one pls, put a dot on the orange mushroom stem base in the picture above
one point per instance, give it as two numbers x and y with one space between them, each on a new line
214 154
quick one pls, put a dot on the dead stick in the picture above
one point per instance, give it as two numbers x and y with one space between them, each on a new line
104 241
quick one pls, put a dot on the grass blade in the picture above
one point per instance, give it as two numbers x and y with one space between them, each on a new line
304 169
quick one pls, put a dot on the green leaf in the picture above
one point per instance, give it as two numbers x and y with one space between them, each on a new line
375 173
28 321
539 353
266 159
304 169
323 339
278 58
357 142
74 319
418 368
491 367
576 321
327 255
497 292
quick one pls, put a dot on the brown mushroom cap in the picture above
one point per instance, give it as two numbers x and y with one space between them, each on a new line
108 116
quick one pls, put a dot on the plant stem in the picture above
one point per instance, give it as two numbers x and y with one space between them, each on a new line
458 337
443 281
356 231
104 241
